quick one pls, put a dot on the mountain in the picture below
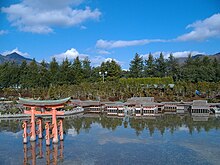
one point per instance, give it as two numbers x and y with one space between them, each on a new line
14 57
181 60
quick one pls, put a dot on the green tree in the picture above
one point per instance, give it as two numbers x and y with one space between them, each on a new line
149 68
161 70
136 67
172 67
44 78
87 69
65 76
33 74
113 69
76 71
24 74
54 72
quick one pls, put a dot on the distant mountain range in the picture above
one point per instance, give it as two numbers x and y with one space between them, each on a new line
14 57
181 60
17 58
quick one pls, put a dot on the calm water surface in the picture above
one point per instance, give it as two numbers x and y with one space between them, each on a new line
99 140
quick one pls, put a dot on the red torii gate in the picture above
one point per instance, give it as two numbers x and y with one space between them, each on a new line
43 104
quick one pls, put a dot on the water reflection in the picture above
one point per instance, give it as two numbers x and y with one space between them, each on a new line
171 123
53 155
167 122
96 139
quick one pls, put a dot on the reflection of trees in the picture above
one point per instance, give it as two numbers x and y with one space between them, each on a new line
10 125
166 122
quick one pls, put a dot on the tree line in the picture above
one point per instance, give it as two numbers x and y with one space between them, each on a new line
145 77
78 71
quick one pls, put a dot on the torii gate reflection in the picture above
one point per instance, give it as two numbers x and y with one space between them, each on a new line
47 107
35 151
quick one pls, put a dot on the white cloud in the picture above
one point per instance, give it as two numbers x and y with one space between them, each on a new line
42 15
103 52
175 54
16 50
97 60
184 54
178 54
70 54
72 132
203 29
104 44
2 32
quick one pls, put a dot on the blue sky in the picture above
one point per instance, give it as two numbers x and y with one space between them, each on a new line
102 30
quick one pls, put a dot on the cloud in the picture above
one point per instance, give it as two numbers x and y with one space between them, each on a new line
41 16
70 54
103 52
97 60
2 32
175 54
104 44
16 50
72 132
203 29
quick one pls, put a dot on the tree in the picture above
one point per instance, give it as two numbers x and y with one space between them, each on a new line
76 71
216 68
136 67
43 75
113 69
172 67
23 74
149 68
32 74
53 72
9 75
65 77
161 70
87 69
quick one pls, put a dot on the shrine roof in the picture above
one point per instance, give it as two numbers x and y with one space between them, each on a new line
40 103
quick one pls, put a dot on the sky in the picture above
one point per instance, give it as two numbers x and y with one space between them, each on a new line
103 30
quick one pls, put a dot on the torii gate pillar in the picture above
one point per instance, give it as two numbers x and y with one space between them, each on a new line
33 130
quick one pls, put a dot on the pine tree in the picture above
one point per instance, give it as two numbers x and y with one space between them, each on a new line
54 72
43 75
161 70
65 76
149 68
136 67
87 69
172 67
76 71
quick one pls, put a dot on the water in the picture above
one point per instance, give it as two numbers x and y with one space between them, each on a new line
105 140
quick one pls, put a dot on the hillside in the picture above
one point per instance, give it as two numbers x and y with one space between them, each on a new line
14 57
181 60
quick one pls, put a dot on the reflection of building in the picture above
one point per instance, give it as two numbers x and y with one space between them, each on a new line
200 108
35 153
